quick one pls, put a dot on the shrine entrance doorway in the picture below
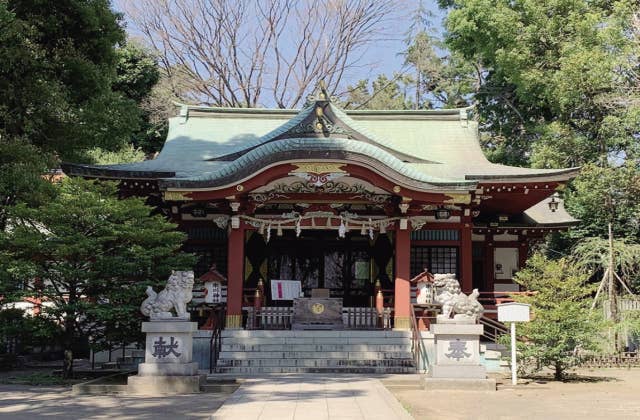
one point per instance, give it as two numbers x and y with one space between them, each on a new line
348 267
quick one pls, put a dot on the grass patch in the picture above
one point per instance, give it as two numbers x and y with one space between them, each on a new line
37 379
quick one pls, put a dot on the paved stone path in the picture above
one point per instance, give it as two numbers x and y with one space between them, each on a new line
311 397
20 402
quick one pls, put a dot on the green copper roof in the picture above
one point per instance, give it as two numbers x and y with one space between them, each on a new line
323 149
436 147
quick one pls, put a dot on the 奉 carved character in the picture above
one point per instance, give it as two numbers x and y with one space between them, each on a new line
175 296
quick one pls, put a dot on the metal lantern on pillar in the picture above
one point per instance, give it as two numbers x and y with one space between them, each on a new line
443 213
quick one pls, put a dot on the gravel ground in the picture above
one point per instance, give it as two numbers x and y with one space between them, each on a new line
597 394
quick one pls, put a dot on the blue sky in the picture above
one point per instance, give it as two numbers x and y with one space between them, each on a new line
383 56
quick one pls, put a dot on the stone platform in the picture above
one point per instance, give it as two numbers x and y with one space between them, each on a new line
457 364
168 366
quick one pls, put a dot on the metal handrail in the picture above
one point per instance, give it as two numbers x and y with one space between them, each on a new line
215 343
496 328
417 346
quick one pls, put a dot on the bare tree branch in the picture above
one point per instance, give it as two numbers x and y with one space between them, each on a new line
233 51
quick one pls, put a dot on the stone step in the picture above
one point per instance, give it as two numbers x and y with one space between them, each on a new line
227 347
110 365
316 363
290 369
215 388
496 346
492 355
249 355
412 386
316 340
307 333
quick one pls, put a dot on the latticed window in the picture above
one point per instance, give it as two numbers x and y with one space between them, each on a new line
435 259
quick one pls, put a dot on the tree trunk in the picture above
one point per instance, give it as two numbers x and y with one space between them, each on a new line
613 292
559 374
67 363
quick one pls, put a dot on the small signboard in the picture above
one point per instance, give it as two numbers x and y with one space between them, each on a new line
513 312
214 292
285 289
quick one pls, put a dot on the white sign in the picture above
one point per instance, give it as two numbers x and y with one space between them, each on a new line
214 292
513 312
285 289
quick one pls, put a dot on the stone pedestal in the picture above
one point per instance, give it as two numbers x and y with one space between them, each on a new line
457 362
168 366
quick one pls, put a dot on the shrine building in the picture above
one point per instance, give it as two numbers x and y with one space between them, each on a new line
351 202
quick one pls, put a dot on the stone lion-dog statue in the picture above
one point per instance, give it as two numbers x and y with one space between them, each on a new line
456 304
177 293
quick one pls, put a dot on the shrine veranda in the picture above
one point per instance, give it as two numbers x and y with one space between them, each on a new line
349 201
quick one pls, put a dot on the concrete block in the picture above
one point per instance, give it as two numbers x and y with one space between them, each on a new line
458 372
457 329
161 385
167 369
169 326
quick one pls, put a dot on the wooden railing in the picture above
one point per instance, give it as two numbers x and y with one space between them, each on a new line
269 318
621 360
279 318
495 298
627 304
366 318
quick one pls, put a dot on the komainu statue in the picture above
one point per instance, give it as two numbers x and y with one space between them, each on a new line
456 304
175 295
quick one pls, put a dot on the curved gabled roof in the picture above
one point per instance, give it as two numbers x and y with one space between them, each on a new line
318 149
434 149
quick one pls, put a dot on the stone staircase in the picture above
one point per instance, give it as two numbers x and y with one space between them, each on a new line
347 351
495 357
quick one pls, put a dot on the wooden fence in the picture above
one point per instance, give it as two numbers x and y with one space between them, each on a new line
622 360
279 318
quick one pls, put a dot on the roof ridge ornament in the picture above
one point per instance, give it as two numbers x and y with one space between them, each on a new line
321 94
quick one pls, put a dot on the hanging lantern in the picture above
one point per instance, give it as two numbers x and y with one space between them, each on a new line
370 229
363 230
268 232
279 229
299 226
342 230
553 204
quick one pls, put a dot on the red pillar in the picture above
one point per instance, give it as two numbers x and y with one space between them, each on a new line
489 269
402 298
523 250
235 278
466 258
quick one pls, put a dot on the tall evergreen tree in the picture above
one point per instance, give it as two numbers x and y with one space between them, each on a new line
90 256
